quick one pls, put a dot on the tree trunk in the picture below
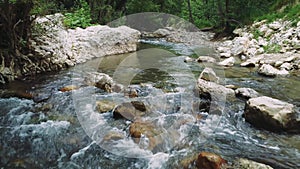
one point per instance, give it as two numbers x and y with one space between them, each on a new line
190 12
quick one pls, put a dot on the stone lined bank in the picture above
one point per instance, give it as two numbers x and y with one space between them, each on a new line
55 47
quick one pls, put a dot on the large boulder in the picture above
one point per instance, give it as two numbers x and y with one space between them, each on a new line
272 114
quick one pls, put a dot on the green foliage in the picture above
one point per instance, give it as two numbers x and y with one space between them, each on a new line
81 17
256 33
272 48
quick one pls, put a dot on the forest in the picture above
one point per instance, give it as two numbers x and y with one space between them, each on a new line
222 16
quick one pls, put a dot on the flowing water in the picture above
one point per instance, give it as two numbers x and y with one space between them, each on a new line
63 130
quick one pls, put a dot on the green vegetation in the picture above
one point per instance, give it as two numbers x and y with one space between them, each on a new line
81 17
272 48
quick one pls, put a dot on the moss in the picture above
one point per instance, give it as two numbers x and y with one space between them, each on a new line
272 48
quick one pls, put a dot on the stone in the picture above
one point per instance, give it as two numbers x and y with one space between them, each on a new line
214 90
100 80
272 114
130 110
225 55
160 33
146 134
222 49
237 50
286 66
104 106
68 88
188 59
268 70
207 160
275 25
246 93
208 74
242 163
227 62
131 93
207 59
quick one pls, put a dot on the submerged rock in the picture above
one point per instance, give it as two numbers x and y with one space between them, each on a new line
103 106
248 164
146 134
208 160
131 110
68 88
272 114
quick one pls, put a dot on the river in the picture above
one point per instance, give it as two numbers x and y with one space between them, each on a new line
63 130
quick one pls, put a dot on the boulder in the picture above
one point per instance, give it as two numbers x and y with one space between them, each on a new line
130 110
272 114
286 66
100 80
103 106
146 134
214 91
208 74
227 62
268 70
207 160
225 55
242 163
246 93
206 59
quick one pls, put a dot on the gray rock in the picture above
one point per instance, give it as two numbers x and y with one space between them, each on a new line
100 80
272 114
188 59
275 25
206 59
286 66
215 92
208 74
248 164
268 70
227 62
225 55
246 93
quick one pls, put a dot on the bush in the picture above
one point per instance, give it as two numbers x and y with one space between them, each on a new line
81 17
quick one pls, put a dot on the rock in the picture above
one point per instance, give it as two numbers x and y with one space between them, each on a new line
248 164
246 93
112 136
188 59
272 114
225 55
208 160
68 88
146 134
270 71
103 106
286 66
227 62
214 90
131 93
224 49
100 80
206 59
161 33
237 50
208 74
131 110
275 25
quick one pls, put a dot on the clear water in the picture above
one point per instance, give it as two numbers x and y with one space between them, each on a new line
65 131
